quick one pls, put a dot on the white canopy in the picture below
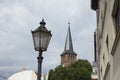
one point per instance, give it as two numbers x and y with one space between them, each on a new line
24 75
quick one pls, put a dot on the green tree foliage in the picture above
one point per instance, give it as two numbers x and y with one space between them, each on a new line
80 70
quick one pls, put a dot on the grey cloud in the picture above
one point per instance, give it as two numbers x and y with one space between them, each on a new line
19 17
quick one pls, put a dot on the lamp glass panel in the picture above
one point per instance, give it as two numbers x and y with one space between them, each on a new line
44 40
36 40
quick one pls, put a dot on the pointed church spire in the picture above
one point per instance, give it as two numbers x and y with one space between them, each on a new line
68 43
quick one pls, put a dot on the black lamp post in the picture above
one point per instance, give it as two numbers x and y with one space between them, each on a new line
41 38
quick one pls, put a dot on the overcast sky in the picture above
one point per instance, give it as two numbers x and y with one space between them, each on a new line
19 17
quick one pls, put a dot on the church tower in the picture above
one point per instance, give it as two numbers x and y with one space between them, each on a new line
68 56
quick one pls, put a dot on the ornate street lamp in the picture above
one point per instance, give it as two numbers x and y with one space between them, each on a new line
41 38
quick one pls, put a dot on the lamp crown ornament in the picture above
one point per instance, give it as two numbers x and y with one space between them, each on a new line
42 22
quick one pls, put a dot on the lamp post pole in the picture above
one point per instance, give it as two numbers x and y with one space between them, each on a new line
40 58
41 38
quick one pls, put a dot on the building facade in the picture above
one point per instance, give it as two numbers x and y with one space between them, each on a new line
108 38
68 56
94 75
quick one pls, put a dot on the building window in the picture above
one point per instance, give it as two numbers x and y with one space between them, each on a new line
103 57
69 58
103 16
105 10
116 14
107 43
101 70
96 71
72 57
